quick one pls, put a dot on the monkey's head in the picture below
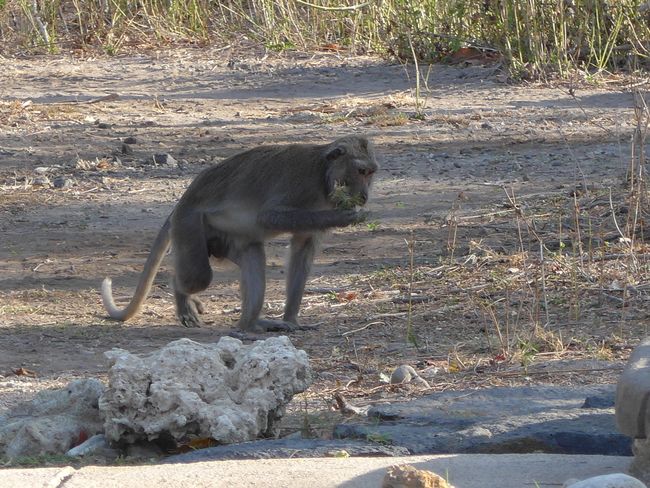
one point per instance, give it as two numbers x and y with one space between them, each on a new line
351 165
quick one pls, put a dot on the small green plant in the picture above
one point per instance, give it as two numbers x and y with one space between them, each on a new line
280 46
378 438
528 350
372 226
342 199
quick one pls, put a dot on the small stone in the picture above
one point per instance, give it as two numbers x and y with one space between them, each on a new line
62 182
130 140
97 445
103 125
599 401
164 160
405 374
616 480
407 476
126 149
41 170
41 181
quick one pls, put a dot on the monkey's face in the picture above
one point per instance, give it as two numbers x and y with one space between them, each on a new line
351 168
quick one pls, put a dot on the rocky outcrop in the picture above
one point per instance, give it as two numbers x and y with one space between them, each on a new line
53 422
227 391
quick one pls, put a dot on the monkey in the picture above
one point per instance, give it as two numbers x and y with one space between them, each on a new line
231 208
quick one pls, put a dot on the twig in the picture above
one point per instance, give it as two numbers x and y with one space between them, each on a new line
354 331
323 7
561 371
346 407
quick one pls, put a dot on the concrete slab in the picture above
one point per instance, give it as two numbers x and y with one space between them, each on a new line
463 471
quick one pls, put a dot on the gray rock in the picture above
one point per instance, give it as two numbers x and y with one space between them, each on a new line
164 160
288 448
615 480
130 140
62 182
632 412
53 421
405 374
227 391
41 181
97 445
497 420
640 466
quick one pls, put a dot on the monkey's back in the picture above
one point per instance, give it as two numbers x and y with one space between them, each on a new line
253 174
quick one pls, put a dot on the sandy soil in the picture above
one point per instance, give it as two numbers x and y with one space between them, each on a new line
440 199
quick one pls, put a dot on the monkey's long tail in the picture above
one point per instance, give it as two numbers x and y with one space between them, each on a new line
158 250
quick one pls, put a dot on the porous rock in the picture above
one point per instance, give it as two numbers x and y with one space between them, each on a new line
227 391
632 413
53 422
407 476
632 409
615 480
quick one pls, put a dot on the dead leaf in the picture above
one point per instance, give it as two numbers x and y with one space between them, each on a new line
346 296
24 372
103 164
332 46
198 443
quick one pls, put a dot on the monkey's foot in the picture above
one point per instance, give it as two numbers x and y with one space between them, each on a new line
267 325
188 311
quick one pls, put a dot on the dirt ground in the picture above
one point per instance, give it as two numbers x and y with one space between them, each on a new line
446 275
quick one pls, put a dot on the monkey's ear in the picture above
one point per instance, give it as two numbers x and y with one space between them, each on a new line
334 153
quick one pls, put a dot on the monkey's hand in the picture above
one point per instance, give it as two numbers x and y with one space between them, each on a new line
361 216
351 217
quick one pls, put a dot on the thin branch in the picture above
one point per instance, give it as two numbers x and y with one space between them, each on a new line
323 7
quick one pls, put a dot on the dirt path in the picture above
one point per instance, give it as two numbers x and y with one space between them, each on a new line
441 188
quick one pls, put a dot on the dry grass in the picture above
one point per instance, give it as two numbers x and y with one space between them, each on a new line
534 38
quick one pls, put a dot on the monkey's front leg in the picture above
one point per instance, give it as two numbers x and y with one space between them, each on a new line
303 249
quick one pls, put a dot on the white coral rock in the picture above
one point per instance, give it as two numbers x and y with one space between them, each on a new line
228 391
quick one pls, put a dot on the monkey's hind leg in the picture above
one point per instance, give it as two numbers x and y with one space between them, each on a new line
252 284
193 273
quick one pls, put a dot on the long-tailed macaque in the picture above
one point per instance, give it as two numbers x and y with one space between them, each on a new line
230 209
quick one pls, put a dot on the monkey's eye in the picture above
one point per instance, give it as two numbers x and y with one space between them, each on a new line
365 171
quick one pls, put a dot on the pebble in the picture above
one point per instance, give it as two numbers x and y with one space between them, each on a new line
62 182
126 148
405 374
41 181
616 480
164 159
407 476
